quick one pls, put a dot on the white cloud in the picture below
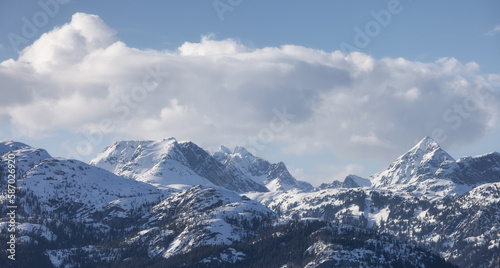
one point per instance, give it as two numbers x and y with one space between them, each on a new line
69 44
209 47
369 140
411 94
494 31
222 92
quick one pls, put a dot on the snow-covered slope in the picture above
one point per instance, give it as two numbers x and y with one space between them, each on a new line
463 229
428 170
52 186
316 244
417 165
53 182
26 157
63 203
70 213
70 208
168 163
472 170
247 166
201 216
425 197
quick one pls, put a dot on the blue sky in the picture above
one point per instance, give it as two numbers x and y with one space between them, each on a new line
444 48
424 30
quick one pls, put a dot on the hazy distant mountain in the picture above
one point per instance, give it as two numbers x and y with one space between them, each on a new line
351 181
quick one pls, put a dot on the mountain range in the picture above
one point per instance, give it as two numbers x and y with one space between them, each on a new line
170 203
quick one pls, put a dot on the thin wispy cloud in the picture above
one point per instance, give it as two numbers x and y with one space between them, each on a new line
494 31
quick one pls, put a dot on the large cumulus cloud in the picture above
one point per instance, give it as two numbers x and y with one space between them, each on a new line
222 92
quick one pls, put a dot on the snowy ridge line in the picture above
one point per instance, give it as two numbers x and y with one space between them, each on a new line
150 208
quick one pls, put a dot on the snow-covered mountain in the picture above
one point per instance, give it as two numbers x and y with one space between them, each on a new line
63 203
71 208
475 170
351 181
425 197
204 216
417 165
428 170
173 164
172 204
247 166
50 182
26 156
168 163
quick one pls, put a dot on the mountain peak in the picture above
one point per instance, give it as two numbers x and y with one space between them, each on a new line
242 151
427 140
171 164
244 164
223 149
356 181
418 164
426 150
426 143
